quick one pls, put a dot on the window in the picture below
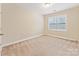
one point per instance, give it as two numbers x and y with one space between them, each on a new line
57 23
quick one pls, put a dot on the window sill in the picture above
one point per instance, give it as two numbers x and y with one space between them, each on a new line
62 30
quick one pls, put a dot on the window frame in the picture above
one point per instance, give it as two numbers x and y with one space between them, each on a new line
56 28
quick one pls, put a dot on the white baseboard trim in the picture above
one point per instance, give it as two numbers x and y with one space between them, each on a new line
21 40
36 37
62 37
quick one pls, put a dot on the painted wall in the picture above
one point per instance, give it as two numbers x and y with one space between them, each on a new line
0 31
19 23
0 23
72 24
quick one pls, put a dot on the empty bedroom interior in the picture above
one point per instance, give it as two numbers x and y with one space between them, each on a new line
39 29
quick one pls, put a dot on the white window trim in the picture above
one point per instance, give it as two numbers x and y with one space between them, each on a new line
59 29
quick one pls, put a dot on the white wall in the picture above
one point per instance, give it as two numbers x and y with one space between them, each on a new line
0 31
0 23
19 23
72 24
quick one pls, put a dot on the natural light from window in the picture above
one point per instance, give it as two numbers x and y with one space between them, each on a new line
57 23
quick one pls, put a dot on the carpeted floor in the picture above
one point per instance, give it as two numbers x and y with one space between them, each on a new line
43 46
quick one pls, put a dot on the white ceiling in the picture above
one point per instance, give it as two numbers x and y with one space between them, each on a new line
57 6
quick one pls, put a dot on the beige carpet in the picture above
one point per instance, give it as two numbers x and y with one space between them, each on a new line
43 46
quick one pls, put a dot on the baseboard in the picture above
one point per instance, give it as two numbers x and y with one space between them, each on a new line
21 40
71 39
36 37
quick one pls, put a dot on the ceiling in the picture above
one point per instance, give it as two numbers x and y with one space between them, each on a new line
52 9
